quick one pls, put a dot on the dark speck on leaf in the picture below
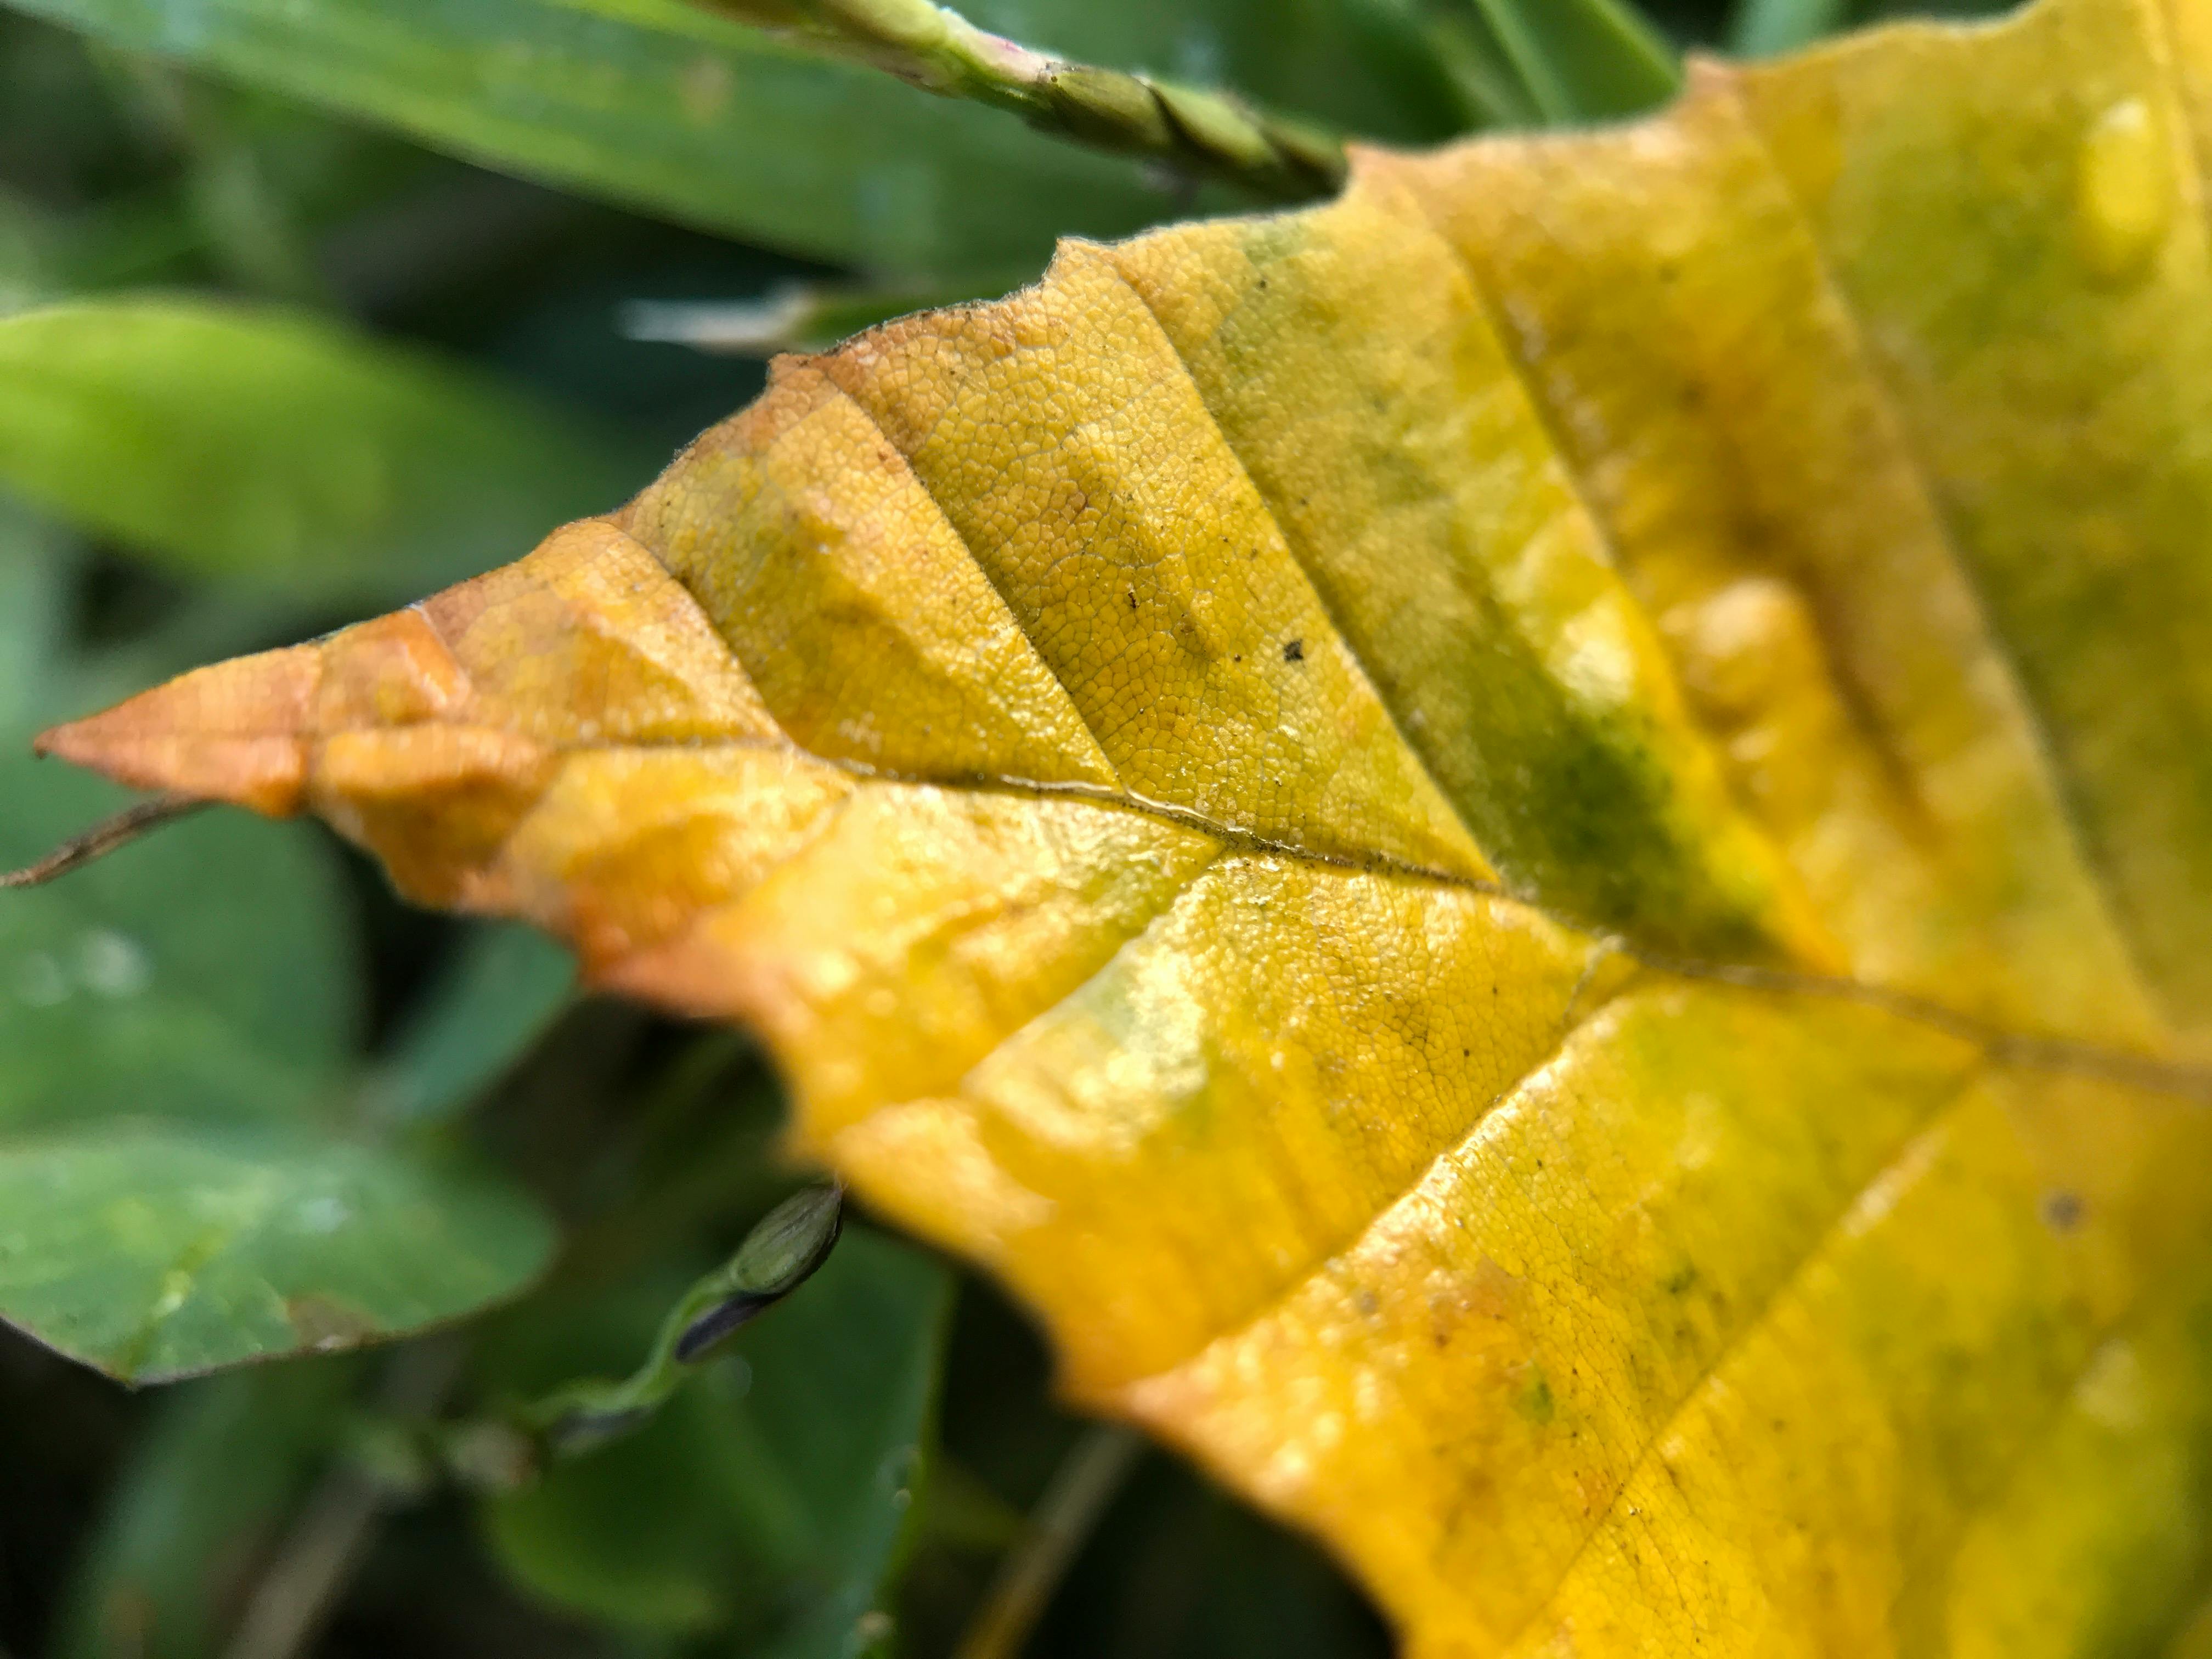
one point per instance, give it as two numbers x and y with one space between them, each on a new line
1294 651
2062 1211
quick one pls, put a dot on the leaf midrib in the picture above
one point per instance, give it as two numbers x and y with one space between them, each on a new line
2034 1050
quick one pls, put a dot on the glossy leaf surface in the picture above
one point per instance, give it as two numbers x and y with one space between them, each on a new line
156 1252
1534 850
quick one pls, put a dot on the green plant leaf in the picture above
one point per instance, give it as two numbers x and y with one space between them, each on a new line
655 105
176 1026
1582 59
658 105
262 446
159 1250
1761 27
770 1497
205 974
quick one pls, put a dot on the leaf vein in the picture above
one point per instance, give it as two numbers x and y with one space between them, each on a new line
1299 556
969 548
2057 774
1910 1146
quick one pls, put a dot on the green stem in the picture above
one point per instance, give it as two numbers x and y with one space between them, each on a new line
779 1255
1189 128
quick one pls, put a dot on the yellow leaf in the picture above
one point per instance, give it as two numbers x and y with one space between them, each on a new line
1534 850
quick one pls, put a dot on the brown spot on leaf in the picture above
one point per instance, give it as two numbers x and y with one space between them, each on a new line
323 1322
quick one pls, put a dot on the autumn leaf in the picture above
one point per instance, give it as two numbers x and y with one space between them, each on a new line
1534 850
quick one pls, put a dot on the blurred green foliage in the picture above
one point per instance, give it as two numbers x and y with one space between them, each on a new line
374 471
307 306
768 1504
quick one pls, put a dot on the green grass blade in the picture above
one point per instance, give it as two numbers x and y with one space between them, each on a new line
1764 28
281 453
1584 60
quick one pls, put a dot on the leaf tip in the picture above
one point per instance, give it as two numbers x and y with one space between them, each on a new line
231 732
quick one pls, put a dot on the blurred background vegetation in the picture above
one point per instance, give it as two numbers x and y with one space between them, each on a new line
306 308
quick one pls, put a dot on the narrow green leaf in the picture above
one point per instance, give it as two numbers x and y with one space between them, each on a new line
1408 47
771 1499
263 446
656 104
1583 59
1496 94
1762 28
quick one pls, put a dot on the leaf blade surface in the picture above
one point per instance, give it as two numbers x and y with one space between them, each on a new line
1485 838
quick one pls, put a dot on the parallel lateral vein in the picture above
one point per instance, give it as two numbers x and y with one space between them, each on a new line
2064 788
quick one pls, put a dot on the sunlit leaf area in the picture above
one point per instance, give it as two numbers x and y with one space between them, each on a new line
1030 1001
